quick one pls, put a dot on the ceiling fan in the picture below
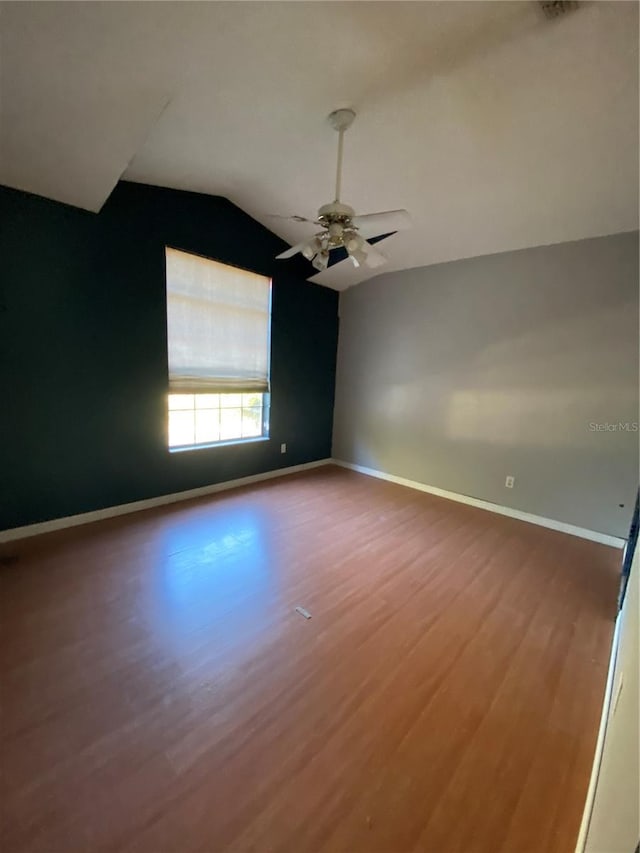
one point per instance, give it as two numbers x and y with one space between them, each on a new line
341 228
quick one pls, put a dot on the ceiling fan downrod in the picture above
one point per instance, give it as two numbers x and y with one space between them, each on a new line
336 216
340 120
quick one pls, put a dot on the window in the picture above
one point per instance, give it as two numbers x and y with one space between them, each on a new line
218 334
209 418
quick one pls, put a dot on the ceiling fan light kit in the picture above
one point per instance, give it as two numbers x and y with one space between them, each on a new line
321 260
342 229
312 248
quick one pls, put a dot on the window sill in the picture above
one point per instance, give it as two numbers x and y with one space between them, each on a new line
231 443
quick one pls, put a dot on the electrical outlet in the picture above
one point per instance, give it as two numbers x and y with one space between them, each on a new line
510 481
283 448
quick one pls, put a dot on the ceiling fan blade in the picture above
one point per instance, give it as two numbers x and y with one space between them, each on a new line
374 257
289 253
373 224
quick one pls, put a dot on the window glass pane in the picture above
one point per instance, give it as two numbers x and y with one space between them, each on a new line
266 398
231 400
230 424
207 426
181 428
252 421
252 399
207 401
180 401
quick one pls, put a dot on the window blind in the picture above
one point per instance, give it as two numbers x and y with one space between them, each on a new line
217 325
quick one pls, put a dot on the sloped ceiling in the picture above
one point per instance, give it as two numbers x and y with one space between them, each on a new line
495 127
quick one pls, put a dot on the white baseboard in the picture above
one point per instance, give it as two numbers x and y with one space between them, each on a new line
161 500
602 731
582 532
149 503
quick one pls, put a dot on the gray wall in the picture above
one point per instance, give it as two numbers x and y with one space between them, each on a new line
458 374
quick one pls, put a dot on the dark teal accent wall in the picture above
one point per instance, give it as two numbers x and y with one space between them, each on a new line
83 351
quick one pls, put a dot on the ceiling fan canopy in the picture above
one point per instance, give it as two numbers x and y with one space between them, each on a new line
341 227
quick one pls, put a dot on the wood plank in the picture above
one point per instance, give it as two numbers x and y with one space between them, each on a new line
160 693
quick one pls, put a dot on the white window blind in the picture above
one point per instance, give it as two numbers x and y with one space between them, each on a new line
218 326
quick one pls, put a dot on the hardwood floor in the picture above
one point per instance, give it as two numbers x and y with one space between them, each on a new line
161 694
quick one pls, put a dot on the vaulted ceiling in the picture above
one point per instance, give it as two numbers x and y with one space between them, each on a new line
495 127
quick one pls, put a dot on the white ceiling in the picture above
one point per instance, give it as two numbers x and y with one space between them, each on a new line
495 127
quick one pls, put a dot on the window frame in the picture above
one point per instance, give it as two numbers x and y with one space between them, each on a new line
266 395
